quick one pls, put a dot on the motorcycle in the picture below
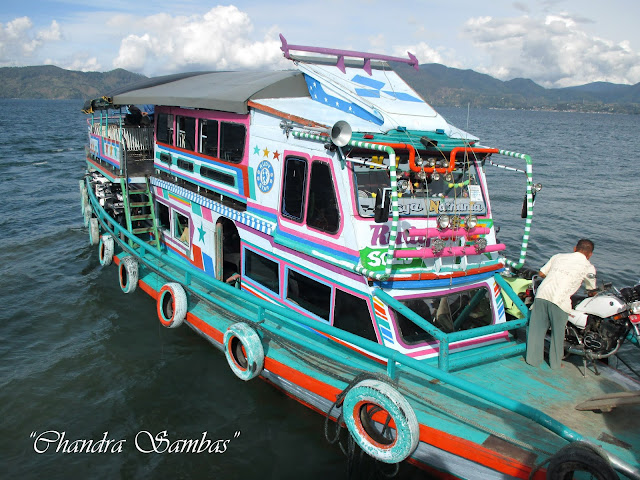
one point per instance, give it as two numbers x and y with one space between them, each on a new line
598 324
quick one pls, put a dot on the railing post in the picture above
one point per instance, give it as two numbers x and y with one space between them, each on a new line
391 369
443 354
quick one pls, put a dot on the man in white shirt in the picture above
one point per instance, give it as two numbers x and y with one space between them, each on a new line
563 274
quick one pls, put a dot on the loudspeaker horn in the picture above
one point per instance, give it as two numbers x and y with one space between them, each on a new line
341 133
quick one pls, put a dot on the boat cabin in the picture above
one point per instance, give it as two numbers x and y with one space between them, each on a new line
334 190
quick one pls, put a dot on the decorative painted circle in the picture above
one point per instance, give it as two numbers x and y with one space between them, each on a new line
265 176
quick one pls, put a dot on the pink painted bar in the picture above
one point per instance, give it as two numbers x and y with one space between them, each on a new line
459 232
447 252
412 60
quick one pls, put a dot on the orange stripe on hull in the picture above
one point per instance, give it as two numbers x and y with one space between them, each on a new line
455 445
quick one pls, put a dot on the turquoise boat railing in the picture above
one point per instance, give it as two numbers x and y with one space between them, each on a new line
445 339
529 196
278 315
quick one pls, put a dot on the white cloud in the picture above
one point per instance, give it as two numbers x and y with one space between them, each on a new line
217 40
553 51
18 39
80 62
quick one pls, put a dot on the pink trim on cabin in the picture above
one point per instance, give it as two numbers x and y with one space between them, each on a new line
243 119
458 345
257 206
334 177
206 213
301 229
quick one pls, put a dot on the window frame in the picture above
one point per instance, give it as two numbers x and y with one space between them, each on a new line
221 140
285 293
336 203
178 235
245 263
303 196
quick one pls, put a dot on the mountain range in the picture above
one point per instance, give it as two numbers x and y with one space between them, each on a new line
438 84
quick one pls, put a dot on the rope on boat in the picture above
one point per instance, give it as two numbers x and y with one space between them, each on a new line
481 427
352 451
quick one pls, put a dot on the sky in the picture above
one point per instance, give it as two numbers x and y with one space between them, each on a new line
555 43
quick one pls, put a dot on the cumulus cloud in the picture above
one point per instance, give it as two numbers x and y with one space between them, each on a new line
553 51
19 39
82 62
218 40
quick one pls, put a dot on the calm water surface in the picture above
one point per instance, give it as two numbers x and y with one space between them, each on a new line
80 357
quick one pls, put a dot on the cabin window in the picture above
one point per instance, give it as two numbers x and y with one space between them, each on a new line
295 180
181 227
183 164
352 315
164 131
309 294
450 313
217 176
323 213
420 195
232 137
186 132
162 213
209 137
262 270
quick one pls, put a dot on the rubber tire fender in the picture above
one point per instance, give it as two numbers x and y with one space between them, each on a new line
579 457
128 274
105 249
243 350
172 305
84 197
94 231
376 393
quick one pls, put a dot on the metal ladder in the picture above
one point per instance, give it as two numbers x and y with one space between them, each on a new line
140 211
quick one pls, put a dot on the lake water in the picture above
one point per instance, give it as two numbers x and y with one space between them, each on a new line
78 356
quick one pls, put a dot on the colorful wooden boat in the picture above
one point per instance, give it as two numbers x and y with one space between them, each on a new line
331 233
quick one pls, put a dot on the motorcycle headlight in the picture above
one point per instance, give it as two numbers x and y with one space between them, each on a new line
634 307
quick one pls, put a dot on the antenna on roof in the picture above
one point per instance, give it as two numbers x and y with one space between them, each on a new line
413 61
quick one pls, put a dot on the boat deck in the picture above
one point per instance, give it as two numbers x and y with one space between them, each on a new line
456 421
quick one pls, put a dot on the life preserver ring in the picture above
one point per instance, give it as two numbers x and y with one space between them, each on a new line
128 274
580 457
172 305
243 350
105 249
367 407
94 231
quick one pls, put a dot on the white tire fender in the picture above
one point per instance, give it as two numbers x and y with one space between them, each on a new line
243 350
172 305
105 249
371 404
128 274
94 231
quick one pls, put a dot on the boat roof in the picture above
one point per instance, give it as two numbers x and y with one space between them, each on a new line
224 91
365 90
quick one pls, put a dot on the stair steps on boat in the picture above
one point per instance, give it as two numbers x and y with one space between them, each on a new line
140 211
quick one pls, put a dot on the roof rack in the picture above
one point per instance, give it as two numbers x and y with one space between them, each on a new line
413 61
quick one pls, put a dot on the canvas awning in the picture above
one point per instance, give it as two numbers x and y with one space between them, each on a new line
225 91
